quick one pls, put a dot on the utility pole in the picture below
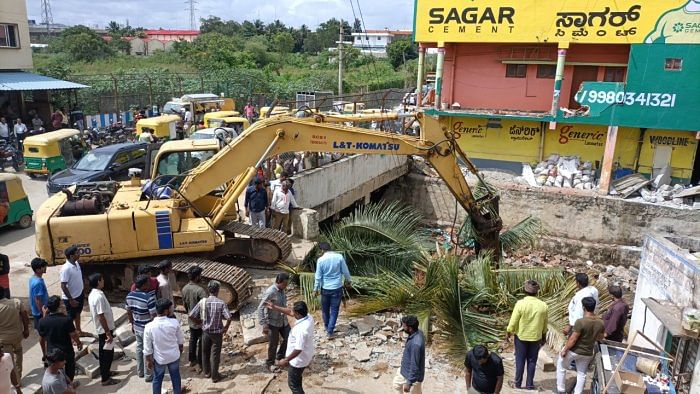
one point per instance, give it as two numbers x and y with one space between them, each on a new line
340 60
46 17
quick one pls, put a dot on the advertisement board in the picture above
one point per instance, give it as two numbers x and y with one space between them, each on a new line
576 21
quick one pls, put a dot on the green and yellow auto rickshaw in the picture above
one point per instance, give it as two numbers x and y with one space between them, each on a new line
14 204
163 127
47 153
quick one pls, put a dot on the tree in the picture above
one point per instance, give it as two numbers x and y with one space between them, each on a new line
283 42
214 24
401 51
256 47
113 28
326 35
357 26
82 44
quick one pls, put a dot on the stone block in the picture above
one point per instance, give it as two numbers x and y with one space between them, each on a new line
362 353
88 366
252 332
305 223
130 351
545 363
88 342
34 388
124 335
366 325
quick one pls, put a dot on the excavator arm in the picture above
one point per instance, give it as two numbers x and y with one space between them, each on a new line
273 136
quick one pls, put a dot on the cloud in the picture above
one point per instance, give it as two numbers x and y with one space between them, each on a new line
174 14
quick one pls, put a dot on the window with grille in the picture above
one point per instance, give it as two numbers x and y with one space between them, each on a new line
614 74
8 36
516 70
547 71
673 64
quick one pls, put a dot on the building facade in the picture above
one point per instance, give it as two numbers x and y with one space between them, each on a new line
159 39
612 83
374 42
15 51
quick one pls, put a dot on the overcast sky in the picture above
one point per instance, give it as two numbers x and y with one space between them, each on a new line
174 14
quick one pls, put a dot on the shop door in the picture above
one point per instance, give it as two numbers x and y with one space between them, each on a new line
662 158
696 166
581 74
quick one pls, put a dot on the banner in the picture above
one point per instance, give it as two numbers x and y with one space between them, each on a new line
541 21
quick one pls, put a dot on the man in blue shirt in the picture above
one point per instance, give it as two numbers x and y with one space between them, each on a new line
141 309
38 297
256 204
330 271
409 377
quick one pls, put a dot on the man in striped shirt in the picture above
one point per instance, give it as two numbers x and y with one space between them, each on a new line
141 309
210 313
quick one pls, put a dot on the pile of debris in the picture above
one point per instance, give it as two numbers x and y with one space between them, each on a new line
561 171
657 190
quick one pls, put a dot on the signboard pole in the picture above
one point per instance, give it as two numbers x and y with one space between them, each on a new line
438 75
419 82
608 159
558 77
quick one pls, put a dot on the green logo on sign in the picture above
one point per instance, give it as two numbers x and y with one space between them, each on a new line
678 27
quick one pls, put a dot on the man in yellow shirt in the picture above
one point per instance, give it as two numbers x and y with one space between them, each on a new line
529 324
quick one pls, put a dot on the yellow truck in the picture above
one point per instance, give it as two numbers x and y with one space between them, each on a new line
186 211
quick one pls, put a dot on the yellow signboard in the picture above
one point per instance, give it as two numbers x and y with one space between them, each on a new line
502 139
682 147
588 142
575 21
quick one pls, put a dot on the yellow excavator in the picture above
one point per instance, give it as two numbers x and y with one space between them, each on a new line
187 210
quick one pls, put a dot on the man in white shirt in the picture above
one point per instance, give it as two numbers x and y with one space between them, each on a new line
20 131
575 306
300 344
72 285
282 201
4 128
159 337
8 375
104 324
165 290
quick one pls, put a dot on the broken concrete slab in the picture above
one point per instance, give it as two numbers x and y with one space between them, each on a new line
365 325
33 388
545 363
88 366
87 342
251 330
362 353
130 351
88 326
125 335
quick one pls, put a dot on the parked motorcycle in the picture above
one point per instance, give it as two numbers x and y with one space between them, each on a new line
10 156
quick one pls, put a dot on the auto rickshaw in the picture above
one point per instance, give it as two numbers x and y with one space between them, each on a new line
275 111
163 127
14 204
235 122
218 115
45 154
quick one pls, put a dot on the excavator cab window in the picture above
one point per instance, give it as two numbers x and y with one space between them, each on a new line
177 163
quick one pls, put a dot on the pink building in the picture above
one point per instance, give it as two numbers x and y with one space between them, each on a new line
172 35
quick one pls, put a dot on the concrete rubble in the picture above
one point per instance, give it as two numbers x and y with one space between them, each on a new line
561 171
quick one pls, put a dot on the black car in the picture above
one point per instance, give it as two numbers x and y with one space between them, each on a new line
111 162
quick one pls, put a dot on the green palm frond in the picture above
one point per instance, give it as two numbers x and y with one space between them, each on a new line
522 234
306 285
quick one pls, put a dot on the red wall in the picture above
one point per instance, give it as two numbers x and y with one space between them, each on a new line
474 76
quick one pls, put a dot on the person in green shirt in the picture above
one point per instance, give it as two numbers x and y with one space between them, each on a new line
580 347
528 323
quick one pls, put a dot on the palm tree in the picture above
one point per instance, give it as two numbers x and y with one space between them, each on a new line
113 28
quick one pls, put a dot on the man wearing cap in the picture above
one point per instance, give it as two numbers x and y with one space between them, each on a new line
71 277
331 269
210 313
38 296
529 324
256 204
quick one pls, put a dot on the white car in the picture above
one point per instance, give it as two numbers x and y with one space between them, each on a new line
224 134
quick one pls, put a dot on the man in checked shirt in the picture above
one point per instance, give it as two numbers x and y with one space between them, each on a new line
210 313
274 323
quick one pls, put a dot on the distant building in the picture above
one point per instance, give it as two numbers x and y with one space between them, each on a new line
374 42
23 93
160 39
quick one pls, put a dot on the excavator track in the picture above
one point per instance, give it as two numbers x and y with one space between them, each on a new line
264 245
236 283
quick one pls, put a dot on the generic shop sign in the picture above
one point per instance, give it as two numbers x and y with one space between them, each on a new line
577 21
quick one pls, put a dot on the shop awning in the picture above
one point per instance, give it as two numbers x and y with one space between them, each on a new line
18 80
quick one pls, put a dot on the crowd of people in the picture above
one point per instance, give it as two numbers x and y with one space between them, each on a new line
150 307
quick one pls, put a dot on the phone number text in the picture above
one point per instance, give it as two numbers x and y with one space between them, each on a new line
629 98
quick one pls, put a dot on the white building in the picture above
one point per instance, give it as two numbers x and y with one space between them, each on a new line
374 42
